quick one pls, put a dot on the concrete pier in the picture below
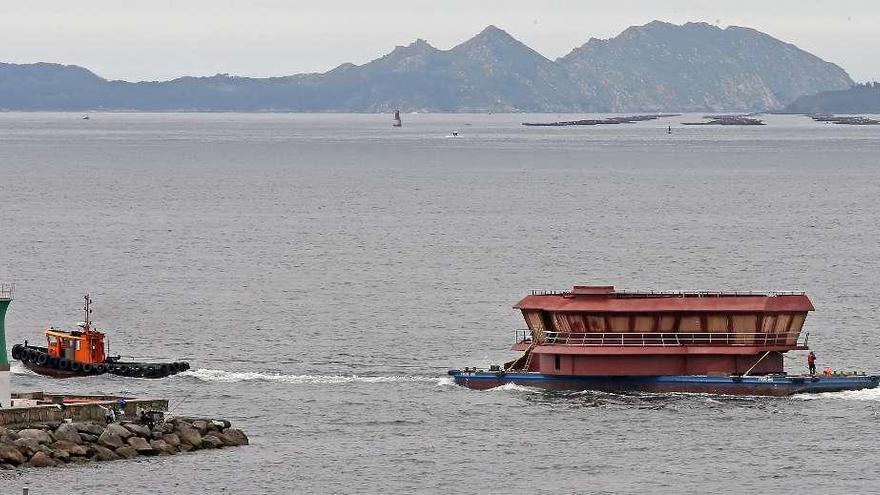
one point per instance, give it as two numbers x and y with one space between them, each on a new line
39 407
54 430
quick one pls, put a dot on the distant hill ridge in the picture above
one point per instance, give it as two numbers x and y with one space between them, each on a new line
861 98
655 67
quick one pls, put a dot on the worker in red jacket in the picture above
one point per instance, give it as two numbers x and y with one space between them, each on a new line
811 362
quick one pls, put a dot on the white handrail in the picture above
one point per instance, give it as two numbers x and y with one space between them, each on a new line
664 339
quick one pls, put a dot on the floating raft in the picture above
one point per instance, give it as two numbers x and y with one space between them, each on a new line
727 120
608 121
774 385
858 120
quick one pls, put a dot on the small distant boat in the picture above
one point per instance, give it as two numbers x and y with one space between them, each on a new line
397 121
669 130
85 117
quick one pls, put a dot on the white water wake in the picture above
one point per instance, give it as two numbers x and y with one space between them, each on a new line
512 387
223 376
868 394
16 368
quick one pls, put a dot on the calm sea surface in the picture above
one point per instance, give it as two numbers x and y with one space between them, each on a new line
322 272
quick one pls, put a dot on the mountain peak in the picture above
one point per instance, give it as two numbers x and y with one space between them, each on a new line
492 34
656 67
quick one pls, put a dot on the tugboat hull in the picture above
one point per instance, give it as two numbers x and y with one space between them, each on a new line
39 361
771 385
52 372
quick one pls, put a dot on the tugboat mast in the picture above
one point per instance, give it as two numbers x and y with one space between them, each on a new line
87 322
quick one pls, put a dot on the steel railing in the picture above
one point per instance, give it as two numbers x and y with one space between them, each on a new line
7 291
664 339
682 293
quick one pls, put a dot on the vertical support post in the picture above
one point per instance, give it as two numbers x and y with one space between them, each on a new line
5 299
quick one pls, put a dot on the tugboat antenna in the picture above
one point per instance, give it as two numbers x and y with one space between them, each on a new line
88 310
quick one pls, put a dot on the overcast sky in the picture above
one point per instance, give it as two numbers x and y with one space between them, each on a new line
162 39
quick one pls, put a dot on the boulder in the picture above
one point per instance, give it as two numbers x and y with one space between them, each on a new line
235 437
200 425
210 441
166 427
126 452
11 455
141 446
40 436
90 428
118 430
189 435
110 440
70 447
104 454
162 447
27 446
185 447
171 439
68 432
139 430
221 424
9 436
41 459
4 466
61 455
80 460
89 438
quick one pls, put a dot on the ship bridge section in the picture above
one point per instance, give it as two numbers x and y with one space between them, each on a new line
597 330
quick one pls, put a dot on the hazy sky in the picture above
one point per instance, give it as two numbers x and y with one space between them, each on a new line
162 39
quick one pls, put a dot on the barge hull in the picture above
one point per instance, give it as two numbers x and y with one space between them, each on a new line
722 385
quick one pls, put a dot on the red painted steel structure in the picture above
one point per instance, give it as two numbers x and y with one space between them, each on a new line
597 331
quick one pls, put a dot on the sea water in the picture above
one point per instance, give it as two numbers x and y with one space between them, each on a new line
322 272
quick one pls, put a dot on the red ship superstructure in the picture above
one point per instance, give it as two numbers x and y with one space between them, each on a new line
598 331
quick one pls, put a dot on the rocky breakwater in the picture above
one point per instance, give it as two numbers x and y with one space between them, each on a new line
61 444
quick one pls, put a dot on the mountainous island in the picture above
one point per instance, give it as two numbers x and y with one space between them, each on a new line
658 67
861 98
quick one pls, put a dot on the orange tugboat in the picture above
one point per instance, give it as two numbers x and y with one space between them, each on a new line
82 352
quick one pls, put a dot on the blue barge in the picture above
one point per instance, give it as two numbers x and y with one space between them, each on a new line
599 338
774 385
